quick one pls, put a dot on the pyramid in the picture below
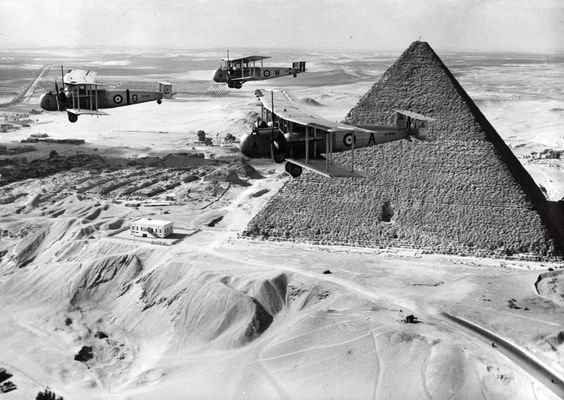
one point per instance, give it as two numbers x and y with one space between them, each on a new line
461 191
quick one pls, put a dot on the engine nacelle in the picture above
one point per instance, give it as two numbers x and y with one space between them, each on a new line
264 143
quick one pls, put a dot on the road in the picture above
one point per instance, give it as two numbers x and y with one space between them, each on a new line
528 362
28 90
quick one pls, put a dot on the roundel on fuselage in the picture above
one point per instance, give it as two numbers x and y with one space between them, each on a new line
118 99
348 139
266 73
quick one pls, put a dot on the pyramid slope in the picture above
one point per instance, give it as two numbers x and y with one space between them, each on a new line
461 191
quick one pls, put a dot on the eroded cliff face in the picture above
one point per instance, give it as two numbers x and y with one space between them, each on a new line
461 191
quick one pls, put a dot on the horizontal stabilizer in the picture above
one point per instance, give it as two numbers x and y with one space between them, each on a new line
322 167
415 115
415 124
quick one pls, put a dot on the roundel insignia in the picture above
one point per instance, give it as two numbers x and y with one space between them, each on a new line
266 73
118 99
348 139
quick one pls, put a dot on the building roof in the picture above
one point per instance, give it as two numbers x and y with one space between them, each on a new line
152 222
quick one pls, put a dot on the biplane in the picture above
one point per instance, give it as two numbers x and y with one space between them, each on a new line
304 140
81 94
240 70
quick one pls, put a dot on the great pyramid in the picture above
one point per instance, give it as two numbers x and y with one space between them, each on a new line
462 191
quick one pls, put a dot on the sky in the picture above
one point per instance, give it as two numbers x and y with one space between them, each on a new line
387 25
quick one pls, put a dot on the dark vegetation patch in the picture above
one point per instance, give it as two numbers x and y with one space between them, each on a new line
4 375
84 354
47 394
411 319
7 387
512 303
260 193
215 221
100 335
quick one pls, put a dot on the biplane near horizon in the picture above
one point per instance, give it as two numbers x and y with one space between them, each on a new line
81 94
305 140
237 71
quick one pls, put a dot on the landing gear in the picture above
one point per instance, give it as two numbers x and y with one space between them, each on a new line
293 169
279 158
72 117
159 101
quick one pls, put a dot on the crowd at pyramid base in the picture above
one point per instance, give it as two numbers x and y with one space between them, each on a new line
461 191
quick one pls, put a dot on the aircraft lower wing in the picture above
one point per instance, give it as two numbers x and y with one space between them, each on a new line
76 111
322 167
245 79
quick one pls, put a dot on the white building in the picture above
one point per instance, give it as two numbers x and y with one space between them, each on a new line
147 227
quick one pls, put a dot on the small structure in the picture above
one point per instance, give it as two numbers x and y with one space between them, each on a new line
166 89
147 227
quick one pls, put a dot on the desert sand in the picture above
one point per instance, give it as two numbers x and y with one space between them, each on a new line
219 316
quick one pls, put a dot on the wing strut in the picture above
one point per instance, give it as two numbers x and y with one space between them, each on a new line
352 154
307 145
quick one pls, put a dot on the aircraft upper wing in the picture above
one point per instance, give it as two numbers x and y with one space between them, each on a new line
248 59
285 106
80 77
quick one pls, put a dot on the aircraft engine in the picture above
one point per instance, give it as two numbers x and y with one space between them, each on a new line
49 102
264 142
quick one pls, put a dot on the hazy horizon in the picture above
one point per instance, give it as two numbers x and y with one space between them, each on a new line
383 25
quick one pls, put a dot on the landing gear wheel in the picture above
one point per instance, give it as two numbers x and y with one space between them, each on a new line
73 117
279 158
293 169
159 101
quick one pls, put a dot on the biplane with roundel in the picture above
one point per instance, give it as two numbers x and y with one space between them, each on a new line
286 132
80 94
237 71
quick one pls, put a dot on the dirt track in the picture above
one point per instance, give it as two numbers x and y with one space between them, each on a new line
28 90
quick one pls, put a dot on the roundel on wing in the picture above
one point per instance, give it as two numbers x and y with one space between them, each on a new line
266 73
348 139
118 99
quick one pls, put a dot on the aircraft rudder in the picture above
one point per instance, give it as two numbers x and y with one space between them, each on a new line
299 66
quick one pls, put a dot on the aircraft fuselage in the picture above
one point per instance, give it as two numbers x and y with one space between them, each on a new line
263 142
106 98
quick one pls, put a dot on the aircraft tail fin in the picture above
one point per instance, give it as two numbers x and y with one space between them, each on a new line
165 88
299 66
416 124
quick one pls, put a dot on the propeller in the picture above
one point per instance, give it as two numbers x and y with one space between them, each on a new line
57 96
277 143
227 69
272 131
61 96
